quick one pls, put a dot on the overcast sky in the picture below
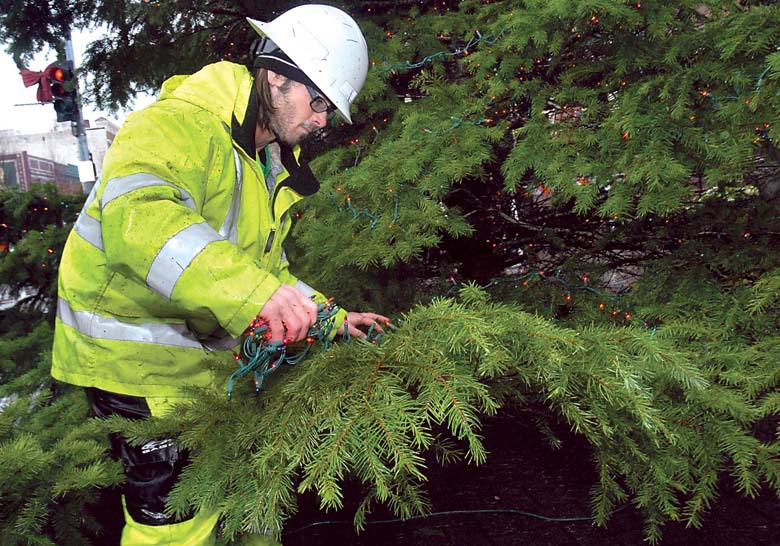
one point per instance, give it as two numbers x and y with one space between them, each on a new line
20 110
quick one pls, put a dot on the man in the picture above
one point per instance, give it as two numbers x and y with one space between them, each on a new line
179 247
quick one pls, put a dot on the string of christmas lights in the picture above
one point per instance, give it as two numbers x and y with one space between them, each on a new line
8 246
261 357
465 50
365 212
457 123
761 131
609 301
717 98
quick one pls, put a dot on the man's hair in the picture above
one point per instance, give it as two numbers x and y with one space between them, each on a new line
265 107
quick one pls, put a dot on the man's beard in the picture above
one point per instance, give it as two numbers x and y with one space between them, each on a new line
284 133
282 125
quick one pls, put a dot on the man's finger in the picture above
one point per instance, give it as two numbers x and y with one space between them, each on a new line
276 327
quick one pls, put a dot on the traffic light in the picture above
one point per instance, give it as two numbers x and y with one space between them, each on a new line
63 90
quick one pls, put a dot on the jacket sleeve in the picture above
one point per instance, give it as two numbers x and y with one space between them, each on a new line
286 277
159 177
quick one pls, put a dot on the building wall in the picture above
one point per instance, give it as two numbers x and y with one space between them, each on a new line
59 145
21 170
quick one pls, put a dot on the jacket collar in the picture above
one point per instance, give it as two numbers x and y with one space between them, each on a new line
301 179
244 133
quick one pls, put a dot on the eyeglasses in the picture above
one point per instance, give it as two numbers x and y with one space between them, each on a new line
319 103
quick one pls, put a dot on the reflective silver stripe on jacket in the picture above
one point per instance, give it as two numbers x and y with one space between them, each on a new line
229 229
225 343
100 327
89 230
87 227
304 288
176 255
117 187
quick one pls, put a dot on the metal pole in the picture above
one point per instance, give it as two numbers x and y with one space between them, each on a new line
78 126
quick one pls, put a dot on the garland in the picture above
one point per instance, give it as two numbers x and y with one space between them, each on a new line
261 357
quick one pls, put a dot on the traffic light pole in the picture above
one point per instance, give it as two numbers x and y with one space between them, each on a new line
78 125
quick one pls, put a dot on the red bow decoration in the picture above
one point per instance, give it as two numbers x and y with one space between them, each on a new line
30 77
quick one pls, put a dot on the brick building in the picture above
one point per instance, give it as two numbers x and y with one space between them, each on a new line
21 170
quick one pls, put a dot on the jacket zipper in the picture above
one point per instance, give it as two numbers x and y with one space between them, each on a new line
269 243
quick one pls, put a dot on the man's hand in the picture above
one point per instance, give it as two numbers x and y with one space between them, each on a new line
355 319
289 314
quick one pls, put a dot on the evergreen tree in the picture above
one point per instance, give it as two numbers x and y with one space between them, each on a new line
52 461
570 205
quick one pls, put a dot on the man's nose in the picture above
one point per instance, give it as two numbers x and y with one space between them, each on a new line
320 119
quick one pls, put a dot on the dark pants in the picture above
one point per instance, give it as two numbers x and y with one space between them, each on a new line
151 468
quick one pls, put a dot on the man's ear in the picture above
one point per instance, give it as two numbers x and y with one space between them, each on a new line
274 79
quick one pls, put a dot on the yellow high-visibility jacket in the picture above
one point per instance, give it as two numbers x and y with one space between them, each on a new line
179 246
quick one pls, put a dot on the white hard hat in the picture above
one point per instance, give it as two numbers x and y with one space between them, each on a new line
328 47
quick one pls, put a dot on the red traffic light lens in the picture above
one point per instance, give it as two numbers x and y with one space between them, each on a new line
59 75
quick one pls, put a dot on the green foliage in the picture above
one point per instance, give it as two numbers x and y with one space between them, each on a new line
33 229
533 128
516 147
651 133
663 423
53 462
171 37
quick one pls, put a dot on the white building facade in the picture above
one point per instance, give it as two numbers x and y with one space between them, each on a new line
60 145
